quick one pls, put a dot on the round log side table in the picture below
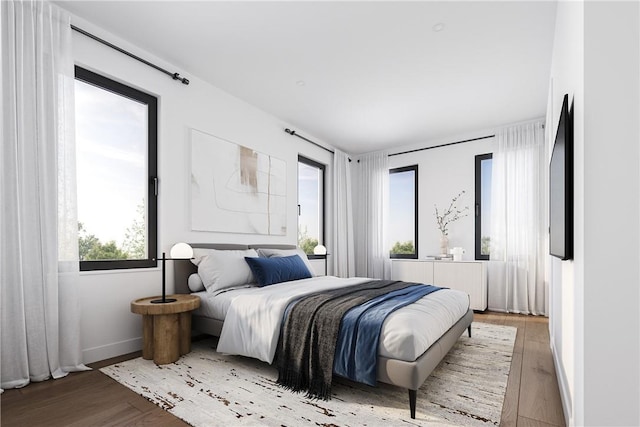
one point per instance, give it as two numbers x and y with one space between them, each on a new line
166 328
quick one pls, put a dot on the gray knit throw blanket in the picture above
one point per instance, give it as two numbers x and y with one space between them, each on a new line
310 331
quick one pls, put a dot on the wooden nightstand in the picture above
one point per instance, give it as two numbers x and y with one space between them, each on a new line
166 329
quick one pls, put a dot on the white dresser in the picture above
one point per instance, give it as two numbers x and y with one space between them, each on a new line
467 276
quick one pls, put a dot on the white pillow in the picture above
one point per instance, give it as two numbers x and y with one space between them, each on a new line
270 253
221 269
195 283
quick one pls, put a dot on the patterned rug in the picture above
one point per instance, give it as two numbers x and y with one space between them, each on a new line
205 388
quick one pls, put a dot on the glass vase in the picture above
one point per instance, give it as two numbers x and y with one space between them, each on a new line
444 245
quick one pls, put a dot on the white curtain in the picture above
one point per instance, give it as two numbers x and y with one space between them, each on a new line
38 224
371 216
518 231
343 255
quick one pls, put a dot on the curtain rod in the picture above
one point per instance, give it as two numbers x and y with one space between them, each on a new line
175 76
442 145
293 133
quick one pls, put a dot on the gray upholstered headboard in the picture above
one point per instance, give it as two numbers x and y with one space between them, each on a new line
182 269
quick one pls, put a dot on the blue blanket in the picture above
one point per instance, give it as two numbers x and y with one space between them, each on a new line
356 355
342 323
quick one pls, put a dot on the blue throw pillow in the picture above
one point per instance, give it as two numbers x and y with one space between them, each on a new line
269 271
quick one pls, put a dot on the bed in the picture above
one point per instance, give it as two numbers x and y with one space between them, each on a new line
404 370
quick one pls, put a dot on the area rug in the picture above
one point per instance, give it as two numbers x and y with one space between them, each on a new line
205 388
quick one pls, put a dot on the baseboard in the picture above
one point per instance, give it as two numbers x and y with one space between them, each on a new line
563 385
96 354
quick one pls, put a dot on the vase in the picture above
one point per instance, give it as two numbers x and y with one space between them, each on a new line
444 245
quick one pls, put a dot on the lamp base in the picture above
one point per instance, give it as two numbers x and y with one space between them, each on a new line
163 301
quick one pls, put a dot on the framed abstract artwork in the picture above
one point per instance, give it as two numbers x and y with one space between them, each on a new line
236 189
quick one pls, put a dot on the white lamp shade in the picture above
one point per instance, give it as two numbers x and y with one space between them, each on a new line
181 251
320 250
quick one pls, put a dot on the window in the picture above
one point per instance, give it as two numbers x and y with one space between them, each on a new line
310 204
116 153
403 212
483 205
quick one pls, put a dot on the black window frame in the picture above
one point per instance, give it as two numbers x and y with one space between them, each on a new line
151 101
413 168
478 205
310 162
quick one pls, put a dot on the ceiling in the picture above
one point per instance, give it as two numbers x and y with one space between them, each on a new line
361 76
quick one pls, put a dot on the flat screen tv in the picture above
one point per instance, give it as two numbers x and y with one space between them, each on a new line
561 187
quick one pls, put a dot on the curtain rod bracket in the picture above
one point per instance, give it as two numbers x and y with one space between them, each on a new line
176 76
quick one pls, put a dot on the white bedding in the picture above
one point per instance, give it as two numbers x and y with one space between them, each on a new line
252 317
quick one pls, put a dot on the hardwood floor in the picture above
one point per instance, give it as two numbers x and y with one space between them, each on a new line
82 399
91 398
532 397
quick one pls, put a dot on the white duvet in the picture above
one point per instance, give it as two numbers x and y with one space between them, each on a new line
253 317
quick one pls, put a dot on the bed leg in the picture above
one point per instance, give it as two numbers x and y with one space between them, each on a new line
469 329
412 403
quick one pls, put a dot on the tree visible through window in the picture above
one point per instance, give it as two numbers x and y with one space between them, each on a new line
116 140
483 205
310 204
403 212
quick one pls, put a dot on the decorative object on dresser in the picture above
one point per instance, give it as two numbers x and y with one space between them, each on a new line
445 218
178 251
467 276
166 328
206 388
457 253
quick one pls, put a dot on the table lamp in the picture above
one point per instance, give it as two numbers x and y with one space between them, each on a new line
178 251
320 250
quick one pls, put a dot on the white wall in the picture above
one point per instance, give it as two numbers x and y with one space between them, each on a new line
442 173
108 326
594 322
565 316
611 213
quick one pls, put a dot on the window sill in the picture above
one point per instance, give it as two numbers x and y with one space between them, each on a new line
121 271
